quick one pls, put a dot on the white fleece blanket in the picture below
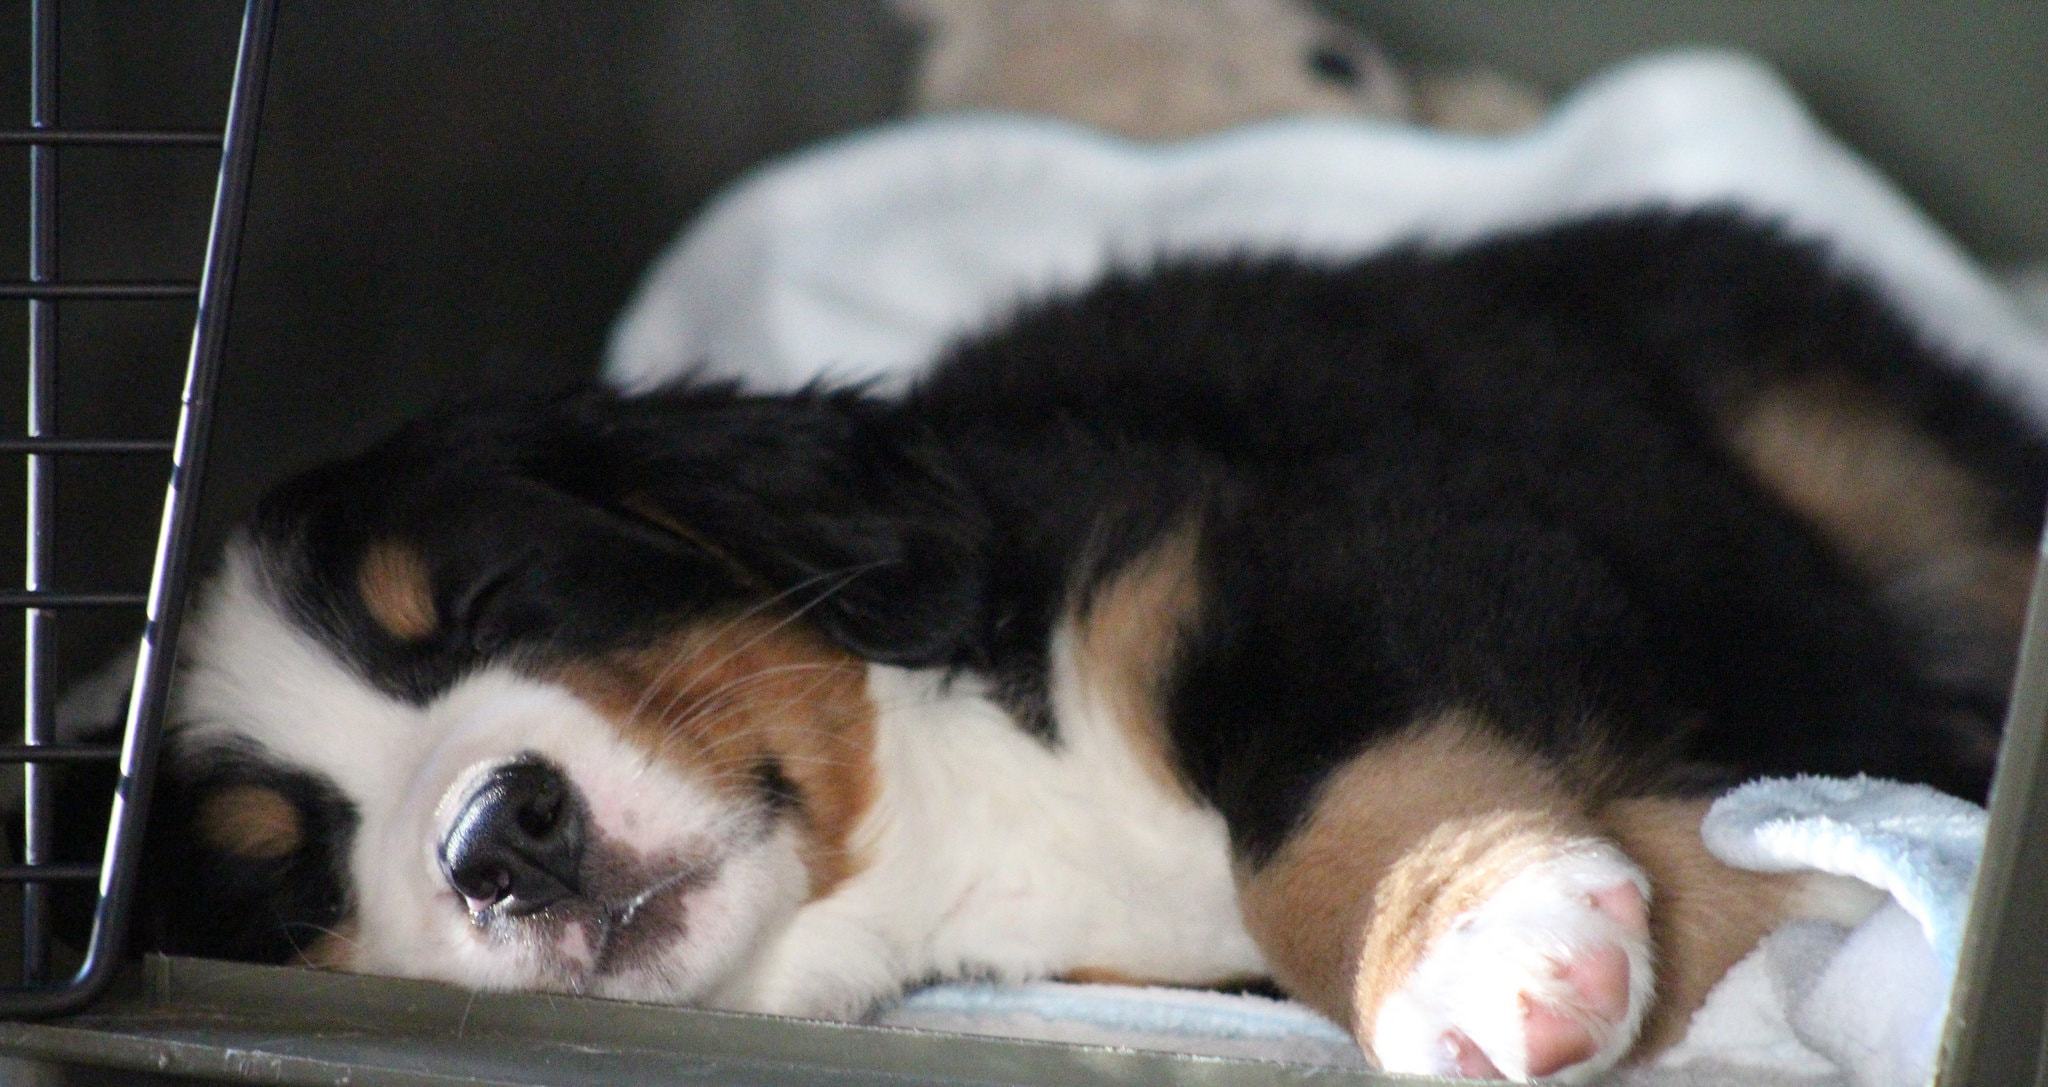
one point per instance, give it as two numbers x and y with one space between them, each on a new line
857 260
860 258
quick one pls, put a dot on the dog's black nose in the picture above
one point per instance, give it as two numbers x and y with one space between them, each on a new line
518 840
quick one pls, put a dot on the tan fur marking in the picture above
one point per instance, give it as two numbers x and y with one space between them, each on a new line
395 587
1104 975
718 699
1894 503
251 821
1452 871
1373 848
1704 915
1097 975
1127 638
332 950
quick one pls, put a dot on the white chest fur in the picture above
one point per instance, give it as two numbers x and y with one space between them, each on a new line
990 853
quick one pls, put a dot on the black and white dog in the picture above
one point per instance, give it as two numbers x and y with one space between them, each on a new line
1377 629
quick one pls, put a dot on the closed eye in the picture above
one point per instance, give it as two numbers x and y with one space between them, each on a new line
475 608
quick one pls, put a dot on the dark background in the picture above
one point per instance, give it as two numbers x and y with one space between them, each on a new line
455 195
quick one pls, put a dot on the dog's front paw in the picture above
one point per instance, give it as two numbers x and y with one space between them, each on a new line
1546 976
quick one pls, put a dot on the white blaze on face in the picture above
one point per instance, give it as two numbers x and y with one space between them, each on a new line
254 676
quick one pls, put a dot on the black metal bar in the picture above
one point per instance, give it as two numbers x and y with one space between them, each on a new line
48 873
47 289
180 527
38 725
109 137
10 753
56 599
44 446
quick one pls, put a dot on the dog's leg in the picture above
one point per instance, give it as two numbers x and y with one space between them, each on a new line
1449 901
1479 925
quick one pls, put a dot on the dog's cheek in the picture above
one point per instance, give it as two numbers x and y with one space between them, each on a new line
767 715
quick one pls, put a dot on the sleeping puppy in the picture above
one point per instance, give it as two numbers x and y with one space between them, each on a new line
1377 629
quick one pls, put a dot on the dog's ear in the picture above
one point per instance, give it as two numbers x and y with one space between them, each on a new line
596 518
827 503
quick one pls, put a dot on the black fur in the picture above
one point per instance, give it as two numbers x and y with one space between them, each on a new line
1484 479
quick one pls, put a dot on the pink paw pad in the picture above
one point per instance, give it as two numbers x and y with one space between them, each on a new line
1558 1036
1546 979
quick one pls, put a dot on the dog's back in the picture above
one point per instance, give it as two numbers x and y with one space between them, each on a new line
1668 465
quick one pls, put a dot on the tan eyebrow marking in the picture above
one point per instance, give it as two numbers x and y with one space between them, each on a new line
396 590
251 821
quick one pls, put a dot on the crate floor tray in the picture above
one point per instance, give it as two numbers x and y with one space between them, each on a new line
277 1025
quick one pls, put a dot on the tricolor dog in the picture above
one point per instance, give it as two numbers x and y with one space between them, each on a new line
1379 629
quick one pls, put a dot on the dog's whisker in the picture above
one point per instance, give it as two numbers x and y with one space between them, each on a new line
844 577
702 724
684 727
654 685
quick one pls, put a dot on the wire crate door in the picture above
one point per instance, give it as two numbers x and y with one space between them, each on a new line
43 993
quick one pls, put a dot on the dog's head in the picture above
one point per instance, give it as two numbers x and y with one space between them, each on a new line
571 697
